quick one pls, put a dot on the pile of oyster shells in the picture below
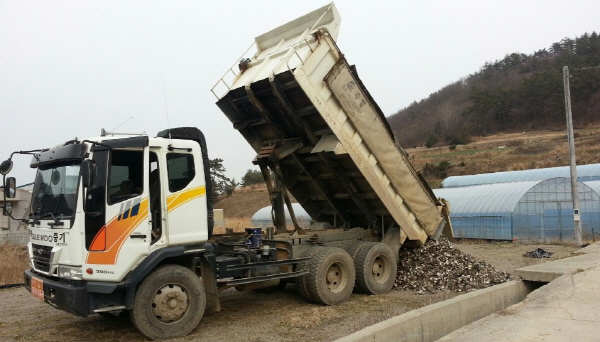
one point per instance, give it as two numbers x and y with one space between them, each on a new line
437 266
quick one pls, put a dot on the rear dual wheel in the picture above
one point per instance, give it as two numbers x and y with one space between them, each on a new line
330 276
376 268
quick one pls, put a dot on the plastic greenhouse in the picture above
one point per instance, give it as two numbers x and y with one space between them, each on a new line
530 210
584 173
263 218
595 185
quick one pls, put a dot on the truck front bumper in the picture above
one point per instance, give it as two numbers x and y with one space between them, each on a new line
67 297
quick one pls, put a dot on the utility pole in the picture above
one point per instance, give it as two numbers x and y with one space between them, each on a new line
570 138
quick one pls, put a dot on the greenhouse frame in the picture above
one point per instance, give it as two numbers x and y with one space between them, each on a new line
585 173
540 210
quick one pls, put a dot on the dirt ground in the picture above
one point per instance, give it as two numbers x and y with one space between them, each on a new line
251 316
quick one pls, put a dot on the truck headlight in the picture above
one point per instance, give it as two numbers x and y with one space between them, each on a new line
70 272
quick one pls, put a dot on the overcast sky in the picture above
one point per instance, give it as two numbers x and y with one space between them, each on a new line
70 68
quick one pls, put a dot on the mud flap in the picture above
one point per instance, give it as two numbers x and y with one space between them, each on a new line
209 280
445 227
394 238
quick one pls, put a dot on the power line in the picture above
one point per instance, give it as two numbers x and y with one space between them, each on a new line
593 67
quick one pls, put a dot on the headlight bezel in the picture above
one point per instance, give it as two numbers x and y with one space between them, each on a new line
70 272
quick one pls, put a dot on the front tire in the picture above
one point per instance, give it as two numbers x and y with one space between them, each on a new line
170 302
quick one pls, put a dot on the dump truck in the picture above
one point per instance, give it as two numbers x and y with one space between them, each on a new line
124 223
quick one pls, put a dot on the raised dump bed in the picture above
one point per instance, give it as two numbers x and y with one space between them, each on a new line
298 101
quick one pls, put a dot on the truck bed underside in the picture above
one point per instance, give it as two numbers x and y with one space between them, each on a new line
329 186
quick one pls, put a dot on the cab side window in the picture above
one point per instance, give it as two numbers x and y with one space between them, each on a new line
126 176
180 169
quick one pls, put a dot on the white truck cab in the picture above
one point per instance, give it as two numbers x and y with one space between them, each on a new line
104 207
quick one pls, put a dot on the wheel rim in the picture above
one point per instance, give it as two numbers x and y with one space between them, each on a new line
380 270
170 304
336 277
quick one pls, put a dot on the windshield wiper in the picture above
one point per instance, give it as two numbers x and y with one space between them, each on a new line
57 222
34 220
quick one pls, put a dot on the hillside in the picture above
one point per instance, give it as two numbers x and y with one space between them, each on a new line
244 202
506 152
517 93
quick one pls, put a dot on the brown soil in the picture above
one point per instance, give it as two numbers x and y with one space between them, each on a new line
510 152
13 261
244 202
507 256
251 316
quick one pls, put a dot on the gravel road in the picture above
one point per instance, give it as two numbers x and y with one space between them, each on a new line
251 316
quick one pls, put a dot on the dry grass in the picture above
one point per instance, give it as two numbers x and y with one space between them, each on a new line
14 262
511 152
532 149
252 188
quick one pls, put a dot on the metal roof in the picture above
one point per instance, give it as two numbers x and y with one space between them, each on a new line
490 199
584 173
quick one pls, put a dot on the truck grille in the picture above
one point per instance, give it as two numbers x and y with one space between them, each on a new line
41 257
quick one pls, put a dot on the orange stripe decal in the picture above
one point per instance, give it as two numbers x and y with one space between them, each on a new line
178 199
115 234
99 242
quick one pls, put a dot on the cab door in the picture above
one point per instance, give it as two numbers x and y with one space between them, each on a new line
156 205
125 237
185 193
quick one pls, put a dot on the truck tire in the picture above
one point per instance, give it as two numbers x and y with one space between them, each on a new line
376 268
170 302
353 248
301 281
330 278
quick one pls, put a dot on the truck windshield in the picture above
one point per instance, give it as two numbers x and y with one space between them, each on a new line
55 192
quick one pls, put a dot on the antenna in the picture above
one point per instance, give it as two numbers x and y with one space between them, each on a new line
166 105
122 123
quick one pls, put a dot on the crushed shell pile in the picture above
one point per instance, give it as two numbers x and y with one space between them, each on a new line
439 267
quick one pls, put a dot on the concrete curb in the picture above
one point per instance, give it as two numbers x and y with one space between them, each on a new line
437 320
546 272
567 309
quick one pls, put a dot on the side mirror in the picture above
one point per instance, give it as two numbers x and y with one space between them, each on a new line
5 167
88 176
7 209
88 173
10 191
10 187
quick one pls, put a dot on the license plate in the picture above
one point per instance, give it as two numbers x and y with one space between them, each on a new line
37 288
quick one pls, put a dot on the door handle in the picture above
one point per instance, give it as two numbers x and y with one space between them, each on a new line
137 236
